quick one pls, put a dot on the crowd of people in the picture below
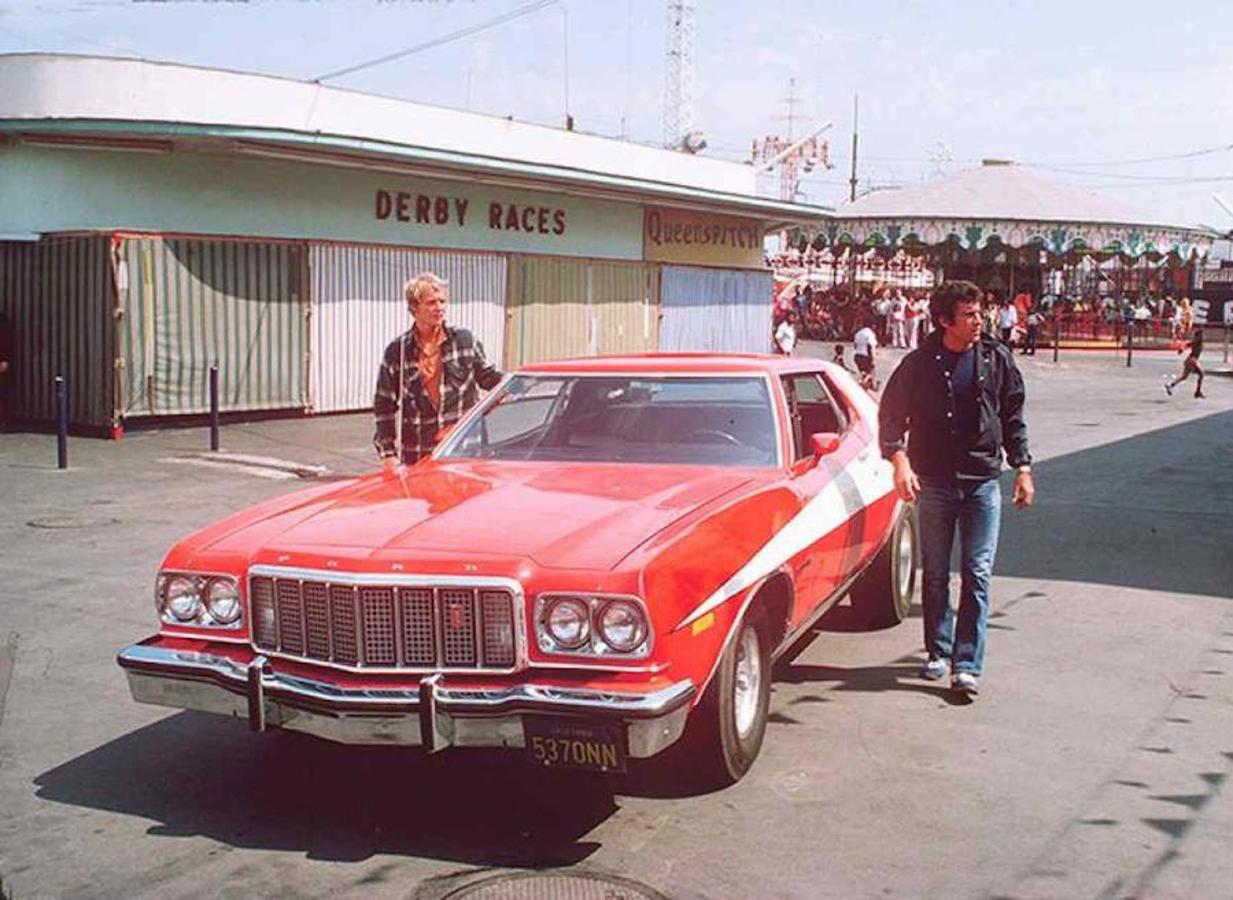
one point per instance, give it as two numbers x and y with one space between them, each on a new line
899 317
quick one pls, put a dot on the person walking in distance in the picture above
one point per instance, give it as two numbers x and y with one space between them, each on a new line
948 413
1190 364
898 321
1032 335
864 342
1008 320
429 376
785 335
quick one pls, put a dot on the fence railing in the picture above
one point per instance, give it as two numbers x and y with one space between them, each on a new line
1146 333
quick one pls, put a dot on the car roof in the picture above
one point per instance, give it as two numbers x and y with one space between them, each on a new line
676 364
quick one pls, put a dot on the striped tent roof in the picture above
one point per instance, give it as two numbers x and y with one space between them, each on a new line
1004 201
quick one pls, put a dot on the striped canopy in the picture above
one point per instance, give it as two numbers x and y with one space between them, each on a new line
1001 203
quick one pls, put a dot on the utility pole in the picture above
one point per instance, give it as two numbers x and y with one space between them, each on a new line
789 179
856 112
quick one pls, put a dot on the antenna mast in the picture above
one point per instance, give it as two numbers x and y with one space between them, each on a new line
679 86
793 157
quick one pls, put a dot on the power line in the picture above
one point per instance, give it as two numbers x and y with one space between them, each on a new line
444 39
1225 148
1164 182
1115 175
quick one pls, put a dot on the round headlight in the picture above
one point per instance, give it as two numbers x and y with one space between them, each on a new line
222 600
622 625
181 598
568 622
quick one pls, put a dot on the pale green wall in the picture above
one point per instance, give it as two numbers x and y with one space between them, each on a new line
49 190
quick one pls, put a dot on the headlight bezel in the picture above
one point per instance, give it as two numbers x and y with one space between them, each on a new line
597 645
202 614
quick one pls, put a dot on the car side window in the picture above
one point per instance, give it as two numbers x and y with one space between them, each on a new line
812 411
842 402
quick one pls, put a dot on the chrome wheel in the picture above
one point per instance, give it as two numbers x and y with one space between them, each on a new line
747 683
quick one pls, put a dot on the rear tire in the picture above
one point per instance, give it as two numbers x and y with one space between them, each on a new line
882 596
726 729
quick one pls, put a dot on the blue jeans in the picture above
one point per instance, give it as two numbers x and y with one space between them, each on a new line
975 507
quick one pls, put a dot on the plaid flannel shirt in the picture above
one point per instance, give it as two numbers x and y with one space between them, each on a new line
463 371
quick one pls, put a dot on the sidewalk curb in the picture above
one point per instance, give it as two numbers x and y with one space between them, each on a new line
302 470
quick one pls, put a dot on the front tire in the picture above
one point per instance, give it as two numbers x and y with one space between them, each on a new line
882 596
727 728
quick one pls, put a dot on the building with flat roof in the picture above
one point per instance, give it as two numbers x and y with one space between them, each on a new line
156 218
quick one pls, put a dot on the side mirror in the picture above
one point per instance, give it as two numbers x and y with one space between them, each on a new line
824 443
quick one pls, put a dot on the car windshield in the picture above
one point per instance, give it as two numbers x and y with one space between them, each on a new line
714 421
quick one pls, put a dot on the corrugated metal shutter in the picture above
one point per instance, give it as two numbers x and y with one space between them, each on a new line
575 307
358 309
189 302
58 295
623 300
715 310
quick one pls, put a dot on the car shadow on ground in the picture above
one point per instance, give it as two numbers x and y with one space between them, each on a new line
198 774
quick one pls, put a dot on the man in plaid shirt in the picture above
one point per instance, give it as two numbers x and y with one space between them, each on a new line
440 370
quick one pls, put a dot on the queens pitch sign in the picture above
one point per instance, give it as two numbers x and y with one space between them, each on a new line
677 236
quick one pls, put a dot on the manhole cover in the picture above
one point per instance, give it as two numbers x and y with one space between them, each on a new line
555 886
57 522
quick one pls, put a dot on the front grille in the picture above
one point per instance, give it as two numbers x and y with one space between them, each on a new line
385 626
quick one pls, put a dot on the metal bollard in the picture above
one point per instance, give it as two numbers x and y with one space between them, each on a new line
1130 342
1057 334
214 406
61 423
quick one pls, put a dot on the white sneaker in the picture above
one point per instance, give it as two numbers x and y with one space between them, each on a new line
965 683
935 669
1168 386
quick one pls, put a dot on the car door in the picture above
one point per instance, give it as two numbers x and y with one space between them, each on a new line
830 505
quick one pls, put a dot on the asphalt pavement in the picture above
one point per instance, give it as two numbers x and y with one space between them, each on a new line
1094 764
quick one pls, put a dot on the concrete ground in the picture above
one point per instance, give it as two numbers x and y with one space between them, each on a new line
1094 764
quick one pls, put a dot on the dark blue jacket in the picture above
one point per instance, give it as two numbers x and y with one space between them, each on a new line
919 401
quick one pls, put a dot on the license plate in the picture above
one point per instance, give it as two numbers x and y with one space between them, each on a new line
574 744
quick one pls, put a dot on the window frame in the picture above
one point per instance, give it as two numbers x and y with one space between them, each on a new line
800 447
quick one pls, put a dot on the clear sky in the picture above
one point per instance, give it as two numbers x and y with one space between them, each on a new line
1085 89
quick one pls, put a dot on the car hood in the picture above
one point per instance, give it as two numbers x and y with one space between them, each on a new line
587 516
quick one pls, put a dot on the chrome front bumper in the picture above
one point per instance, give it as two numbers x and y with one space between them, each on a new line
432 716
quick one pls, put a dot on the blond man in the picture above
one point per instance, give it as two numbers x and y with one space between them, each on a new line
429 376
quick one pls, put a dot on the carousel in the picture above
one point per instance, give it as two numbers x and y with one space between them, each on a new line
1010 231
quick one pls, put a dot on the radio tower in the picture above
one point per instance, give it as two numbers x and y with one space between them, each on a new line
679 87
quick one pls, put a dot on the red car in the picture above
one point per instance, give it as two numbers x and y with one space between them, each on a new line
604 557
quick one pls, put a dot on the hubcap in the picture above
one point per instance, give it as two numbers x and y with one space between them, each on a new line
748 681
905 563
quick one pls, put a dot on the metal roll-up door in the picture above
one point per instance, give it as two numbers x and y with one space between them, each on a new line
561 307
358 308
189 302
715 310
58 296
